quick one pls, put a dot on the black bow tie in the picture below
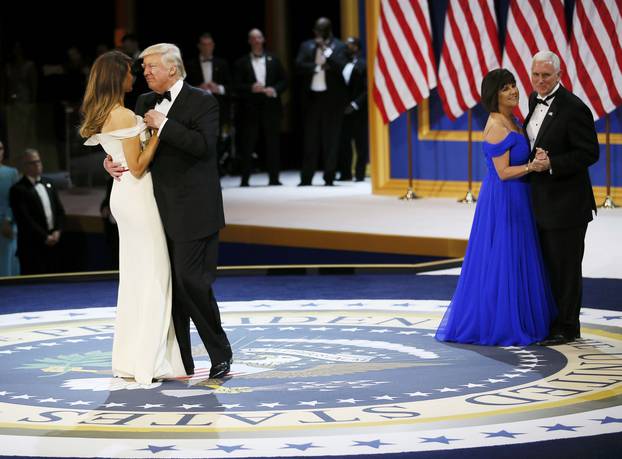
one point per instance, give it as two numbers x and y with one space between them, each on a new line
545 101
161 97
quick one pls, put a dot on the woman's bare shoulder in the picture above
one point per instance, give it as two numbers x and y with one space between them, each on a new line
119 118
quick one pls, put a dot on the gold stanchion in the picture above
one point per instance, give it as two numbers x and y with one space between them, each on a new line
608 202
469 198
410 194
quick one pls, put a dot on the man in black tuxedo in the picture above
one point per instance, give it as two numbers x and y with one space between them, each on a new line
259 80
211 73
320 63
187 191
562 135
354 115
39 215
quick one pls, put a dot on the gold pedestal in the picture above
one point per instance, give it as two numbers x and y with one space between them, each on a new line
469 198
410 195
608 203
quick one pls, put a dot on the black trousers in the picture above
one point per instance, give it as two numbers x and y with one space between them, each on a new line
264 117
354 127
39 260
562 250
193 265
322 126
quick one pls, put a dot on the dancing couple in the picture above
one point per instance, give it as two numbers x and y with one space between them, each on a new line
167 202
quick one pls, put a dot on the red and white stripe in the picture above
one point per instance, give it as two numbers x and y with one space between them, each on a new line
596 50
404 70
470 51
532 26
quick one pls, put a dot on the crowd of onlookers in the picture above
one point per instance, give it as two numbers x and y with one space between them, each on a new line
333 80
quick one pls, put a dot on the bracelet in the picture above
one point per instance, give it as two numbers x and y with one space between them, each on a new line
527 169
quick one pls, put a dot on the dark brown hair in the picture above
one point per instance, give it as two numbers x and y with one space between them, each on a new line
104 90
493 82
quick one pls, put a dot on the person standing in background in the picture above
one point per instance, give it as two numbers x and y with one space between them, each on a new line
320 63
212 74
259 81
39 215
9 264
354 115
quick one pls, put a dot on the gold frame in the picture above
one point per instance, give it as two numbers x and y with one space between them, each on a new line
379 146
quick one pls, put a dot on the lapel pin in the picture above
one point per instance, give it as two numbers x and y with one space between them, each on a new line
550 113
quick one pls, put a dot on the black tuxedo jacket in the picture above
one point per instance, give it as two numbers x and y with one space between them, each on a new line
32 229
184 170
357 86
564 199
305 65
221 74
244 78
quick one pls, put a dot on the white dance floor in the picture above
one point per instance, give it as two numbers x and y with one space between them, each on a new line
350 208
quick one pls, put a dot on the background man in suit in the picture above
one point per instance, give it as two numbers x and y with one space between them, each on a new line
320 63
39 215
212 74
259 80
562 135
354 115
187 191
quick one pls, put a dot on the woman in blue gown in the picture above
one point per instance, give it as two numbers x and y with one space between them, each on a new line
9 264
503 295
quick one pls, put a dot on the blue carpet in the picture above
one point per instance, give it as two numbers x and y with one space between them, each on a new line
598 293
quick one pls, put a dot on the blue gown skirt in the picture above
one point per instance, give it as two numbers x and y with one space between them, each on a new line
503 295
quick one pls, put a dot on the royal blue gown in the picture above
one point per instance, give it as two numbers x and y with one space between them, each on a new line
503 295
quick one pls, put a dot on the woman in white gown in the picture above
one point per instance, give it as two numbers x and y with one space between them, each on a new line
144 347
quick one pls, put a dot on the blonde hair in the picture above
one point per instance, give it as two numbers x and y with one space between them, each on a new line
171 55
104 90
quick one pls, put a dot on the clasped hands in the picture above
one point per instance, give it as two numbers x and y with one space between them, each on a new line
258 88
541 161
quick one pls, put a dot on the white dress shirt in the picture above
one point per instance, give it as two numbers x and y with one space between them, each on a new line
259 67
164 106
318 83
45 201
207 68
537 118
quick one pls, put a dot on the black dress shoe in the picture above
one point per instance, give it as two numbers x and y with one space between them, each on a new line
220 370
304 184
277 183
554 340
244 184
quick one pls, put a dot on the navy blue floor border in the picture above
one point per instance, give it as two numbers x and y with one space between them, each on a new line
597 293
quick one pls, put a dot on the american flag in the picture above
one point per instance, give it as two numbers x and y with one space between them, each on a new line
404 69
532 26
470 50
596 51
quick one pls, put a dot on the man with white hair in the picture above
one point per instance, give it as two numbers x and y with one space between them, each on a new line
187 191
562 136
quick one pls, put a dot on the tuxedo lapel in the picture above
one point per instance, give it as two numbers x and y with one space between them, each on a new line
549 119
178 103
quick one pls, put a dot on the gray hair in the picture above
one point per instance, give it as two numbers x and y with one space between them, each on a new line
171 55
547 56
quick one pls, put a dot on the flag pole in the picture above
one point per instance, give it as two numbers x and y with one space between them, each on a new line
469 198
410 194
608 202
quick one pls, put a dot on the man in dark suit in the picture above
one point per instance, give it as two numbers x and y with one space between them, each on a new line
39 215
354 115
562 135
320 64
259 80
187 191
212 74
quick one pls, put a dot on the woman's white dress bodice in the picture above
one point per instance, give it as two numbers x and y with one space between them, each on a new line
111 141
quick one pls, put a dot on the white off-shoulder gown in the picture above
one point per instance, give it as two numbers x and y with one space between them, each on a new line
145 346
